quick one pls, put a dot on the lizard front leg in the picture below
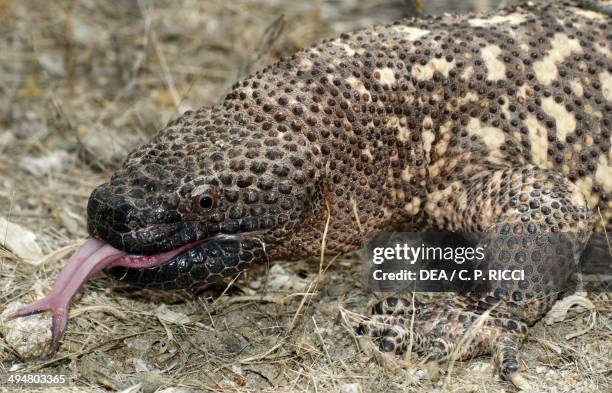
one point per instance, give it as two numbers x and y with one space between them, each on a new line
533 219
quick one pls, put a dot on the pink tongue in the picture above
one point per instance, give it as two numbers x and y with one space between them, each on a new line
92 257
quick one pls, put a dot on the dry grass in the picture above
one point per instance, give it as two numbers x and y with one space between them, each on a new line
83 82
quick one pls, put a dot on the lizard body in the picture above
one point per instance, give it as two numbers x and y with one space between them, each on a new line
486 123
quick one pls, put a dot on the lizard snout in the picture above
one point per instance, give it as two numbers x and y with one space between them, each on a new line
136 224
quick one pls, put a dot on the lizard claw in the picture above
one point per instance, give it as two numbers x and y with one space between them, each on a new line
445 332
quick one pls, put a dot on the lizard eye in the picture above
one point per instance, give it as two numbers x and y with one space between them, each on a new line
205 201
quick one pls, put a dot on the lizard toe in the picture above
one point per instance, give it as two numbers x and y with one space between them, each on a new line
445 332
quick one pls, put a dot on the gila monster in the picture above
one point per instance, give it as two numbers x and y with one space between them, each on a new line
490 123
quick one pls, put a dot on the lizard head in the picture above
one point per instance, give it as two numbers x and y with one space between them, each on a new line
220 191
259 176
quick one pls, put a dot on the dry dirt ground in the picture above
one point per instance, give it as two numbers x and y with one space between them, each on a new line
84 81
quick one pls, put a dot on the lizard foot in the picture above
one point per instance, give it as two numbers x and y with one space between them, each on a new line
445 332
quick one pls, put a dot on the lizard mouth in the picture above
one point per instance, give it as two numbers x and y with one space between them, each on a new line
204 260
132 261
95 255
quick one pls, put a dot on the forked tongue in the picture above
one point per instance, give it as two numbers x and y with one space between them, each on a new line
92 257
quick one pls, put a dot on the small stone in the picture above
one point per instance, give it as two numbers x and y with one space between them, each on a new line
30 336
350 388
20 241
540 370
